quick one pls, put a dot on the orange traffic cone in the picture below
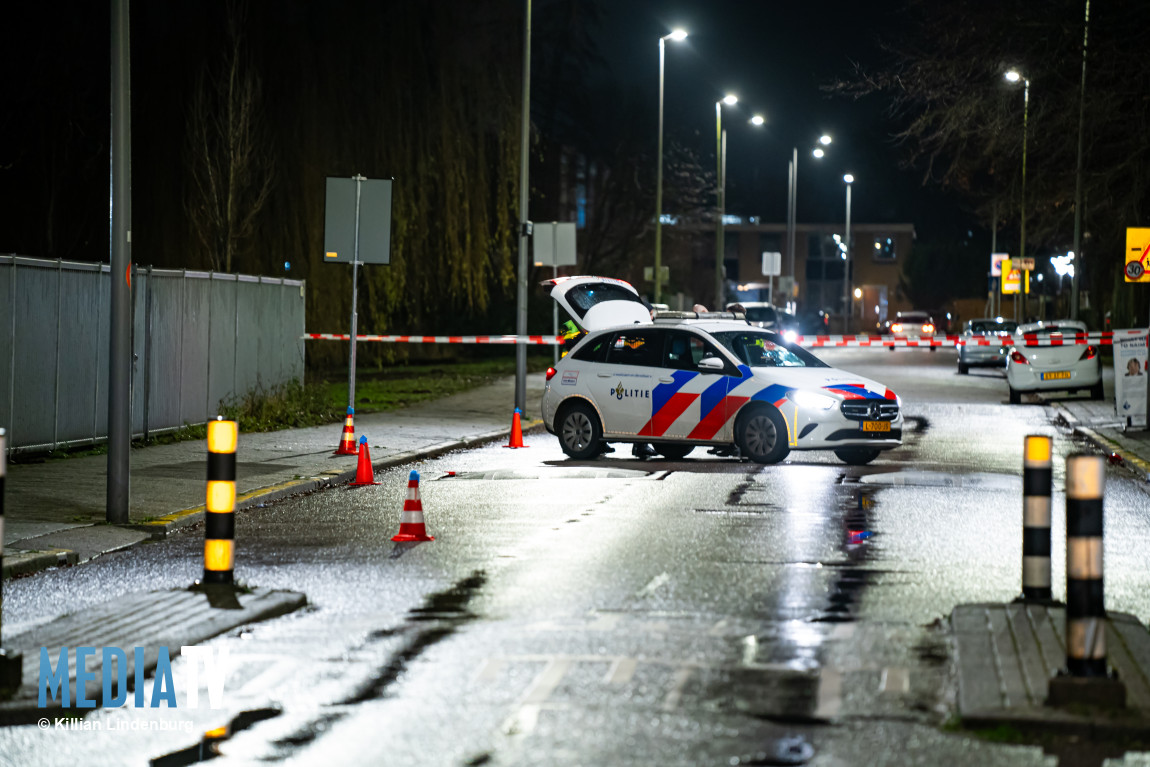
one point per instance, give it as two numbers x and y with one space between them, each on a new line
516 432
411 521
347 442
363 472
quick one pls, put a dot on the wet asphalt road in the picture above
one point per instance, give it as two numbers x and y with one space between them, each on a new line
620 612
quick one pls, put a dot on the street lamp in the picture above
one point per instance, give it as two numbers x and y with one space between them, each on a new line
676 35
792 201
848 179
1014 76
721 158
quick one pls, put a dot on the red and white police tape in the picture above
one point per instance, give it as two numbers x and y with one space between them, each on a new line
811 342
509 339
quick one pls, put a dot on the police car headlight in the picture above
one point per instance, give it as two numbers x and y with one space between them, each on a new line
812 400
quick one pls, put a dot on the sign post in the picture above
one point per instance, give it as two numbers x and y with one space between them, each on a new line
772 267
1138 270
356 230
996 260
554 244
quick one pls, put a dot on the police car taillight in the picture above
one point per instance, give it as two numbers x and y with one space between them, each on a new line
1089 354
1018 357
550 373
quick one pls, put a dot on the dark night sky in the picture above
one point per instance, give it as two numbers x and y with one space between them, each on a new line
775 56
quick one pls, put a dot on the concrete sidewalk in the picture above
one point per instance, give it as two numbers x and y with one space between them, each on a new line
55 511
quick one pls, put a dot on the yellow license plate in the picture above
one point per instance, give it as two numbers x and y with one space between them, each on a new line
876 425
1058 375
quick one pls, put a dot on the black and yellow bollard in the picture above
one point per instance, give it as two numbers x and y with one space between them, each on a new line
1036 482
1086 679
220 525
1085 605
11 661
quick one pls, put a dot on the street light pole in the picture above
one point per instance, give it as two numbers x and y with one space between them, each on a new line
721 172
1014 76
1078 179
677 34
848 307
792 187
524 159
793 204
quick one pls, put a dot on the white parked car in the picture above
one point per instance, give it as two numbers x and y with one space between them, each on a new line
683 379
1068 367
986 341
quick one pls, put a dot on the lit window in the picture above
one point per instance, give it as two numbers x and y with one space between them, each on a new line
884 249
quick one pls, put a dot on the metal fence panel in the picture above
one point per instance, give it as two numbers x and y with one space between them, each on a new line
77 353
222 338
34 356
7 339
247 339
104 326
195 350
140 373
165 357
292 329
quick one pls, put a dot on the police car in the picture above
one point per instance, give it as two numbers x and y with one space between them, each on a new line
681 380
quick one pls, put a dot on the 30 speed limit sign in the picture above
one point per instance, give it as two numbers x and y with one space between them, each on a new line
1137 254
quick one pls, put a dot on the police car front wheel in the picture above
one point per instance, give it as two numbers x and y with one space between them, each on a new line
761 434
579 431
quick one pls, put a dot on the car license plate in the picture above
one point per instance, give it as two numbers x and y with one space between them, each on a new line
1058 375
876 425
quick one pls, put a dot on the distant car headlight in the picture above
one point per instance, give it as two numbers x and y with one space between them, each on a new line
812 400
790 336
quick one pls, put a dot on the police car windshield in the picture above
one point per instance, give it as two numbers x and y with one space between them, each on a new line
766 350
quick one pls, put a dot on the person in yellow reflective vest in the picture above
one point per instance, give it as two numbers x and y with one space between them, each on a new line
571 334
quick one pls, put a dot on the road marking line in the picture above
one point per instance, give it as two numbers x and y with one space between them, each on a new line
894 681
621 671
655 583
547 681
830 694
490 669
671 702
522 722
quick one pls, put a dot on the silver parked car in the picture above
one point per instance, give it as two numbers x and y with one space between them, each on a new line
986 342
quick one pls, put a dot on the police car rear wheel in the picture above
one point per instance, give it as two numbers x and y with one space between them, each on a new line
579 431
762 435
672 450
857 456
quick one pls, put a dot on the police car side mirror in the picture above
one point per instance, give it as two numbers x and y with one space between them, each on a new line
711 363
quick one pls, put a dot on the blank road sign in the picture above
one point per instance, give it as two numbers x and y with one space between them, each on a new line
554 244
339 219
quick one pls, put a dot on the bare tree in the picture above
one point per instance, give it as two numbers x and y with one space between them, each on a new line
228 151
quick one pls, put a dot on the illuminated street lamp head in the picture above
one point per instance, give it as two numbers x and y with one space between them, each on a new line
730 99
824 139
818 152
849 178
678 35
1013 76
758 120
